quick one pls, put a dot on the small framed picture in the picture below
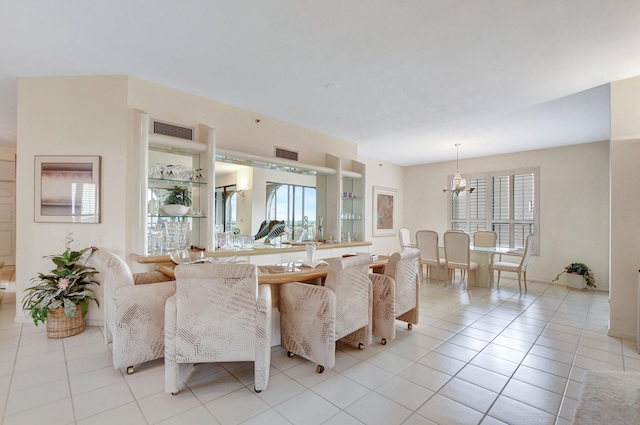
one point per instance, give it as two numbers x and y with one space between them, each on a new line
67 189
383 211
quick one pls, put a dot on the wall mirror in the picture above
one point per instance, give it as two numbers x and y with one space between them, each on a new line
246 195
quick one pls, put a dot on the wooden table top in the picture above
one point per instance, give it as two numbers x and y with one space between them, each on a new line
278 274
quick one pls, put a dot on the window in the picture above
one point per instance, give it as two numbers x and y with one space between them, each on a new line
291 203
505 202
469 210
226 205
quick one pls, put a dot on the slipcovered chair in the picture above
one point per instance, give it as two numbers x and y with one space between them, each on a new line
396 294
427 242
520 268
457 254
313 318
133 308
218 314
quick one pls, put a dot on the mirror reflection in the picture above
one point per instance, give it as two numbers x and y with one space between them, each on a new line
248 196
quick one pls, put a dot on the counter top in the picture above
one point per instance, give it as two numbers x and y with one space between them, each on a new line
257 250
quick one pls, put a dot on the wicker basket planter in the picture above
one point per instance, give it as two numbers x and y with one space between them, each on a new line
61 326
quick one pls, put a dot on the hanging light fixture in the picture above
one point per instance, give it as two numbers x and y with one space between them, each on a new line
457 186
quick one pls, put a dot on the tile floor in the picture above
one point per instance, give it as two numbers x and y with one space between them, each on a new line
486 356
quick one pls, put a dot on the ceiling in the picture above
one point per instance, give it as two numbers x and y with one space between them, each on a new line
406 80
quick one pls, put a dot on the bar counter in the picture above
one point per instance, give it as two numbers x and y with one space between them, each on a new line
267 254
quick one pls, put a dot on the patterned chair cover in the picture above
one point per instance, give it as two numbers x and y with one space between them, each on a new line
313 318
219 314
396 294
133 308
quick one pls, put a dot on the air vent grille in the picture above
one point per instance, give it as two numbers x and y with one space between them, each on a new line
286 154
172 130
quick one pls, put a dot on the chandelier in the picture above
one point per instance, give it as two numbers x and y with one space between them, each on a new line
459 185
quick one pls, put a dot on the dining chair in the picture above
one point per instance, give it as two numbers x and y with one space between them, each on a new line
461 271
218 314
519 268
405 238
133 306
485 238
396 294
458 255
427 243
313 318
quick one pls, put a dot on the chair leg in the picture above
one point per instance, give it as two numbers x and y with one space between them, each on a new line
498 284
525 280
519 284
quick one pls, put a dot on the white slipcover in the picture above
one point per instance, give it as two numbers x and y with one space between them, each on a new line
313 318
133 308
219 314
396 294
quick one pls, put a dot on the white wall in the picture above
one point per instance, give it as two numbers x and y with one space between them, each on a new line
236 128
70 116
574 203
391 176
93 116
625 207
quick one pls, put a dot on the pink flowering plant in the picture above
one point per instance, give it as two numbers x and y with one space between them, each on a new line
65 286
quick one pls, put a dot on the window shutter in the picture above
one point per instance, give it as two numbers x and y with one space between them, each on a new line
500 200
478 205
523 197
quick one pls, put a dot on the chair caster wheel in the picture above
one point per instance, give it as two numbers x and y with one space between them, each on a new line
319 368
383 341
257 391
409 326
360 346
130 370
290 354
175 393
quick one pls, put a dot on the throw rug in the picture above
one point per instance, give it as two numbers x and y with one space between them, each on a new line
609 397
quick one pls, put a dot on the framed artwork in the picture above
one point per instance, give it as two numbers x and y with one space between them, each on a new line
67 189
383 211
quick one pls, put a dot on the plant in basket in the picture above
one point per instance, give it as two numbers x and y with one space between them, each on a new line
63 289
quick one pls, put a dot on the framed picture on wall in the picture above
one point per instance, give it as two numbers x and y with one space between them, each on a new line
67 189
383 211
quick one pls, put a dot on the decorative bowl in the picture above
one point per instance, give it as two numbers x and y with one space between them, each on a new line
175 210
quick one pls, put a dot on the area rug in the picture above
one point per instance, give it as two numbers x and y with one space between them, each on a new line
609 397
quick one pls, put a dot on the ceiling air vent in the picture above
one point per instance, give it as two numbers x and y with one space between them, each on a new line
286 154
172 130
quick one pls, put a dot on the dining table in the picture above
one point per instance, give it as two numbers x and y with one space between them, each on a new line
278 274
483 256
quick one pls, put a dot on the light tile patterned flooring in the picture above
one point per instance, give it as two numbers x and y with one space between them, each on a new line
486 356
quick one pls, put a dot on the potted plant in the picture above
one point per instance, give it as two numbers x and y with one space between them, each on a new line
177 201
584 276
61 298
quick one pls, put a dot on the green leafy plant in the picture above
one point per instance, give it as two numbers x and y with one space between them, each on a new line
65 286
178 195
581 269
